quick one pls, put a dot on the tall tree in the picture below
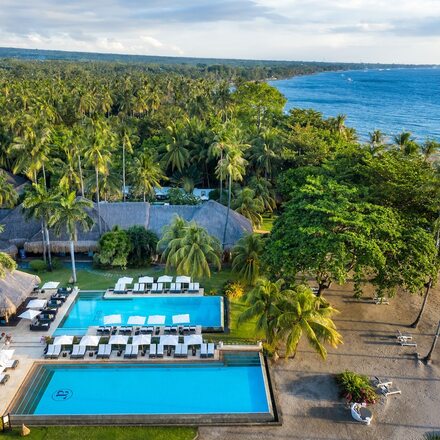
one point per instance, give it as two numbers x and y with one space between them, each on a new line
246 257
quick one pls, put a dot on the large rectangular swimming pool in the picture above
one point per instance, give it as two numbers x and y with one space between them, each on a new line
235 386
89 309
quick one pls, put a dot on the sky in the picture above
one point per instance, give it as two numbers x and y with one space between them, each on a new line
387 31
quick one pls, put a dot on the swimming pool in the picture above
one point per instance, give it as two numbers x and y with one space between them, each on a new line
89 309
235 386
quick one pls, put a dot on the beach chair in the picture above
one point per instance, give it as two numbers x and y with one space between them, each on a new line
194 288
406 343
78 352
136 288
153 351
377 382
49 352
389 390
155 288
101 350
134 351
179 288
403 336
160 288
173 288
192 328
6 362
211 350
167 329
4 378
159 352
128 351
186 329
204 350
178 351
56 352
184 351
174 330
141 288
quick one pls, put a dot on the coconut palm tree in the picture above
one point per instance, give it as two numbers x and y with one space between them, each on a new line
39 204
265 151
250 206
429 148
263 188
193 252
406 143
376 141
70 212
127 136
246 256
176 150
170 232
8 195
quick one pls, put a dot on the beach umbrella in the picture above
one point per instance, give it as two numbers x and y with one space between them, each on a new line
146 280
156 319
29 314
181 319
36 304
183 279
136 320
50 285
112 319
125 280
141 340
63 340
169 340
118 340
193 340
165 279
90 340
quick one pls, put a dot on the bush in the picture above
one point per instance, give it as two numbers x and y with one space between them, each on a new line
234 290
356 387
143 246
38 265
179 197
114 247
57 263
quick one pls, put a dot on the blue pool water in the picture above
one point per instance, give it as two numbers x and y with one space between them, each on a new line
390 100
90 309
67 264
146 389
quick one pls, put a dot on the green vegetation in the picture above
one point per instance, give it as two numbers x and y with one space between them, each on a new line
106 432
246 258
356 387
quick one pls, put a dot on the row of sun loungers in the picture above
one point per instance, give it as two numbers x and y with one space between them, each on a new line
157 288
149 330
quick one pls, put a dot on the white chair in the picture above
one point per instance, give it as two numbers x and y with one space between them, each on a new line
159 351
204 350
211 349
360 413
153 351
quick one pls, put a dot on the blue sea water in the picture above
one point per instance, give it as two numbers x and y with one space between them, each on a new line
151 389
391 100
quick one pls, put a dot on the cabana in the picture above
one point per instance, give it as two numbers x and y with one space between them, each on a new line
184 281
166 280
147 281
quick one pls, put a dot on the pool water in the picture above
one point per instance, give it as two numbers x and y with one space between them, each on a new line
111 389
90 309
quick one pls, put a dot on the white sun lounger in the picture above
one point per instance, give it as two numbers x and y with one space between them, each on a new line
389 390
403 336
194 287
136 287
78 351
381 382
173 288
155 288
104 351
141 288
56 352
159 352
204 350
49 352
211 349
134 351
153 350
178 351
108 351
128 351
184 351
406 343
9 364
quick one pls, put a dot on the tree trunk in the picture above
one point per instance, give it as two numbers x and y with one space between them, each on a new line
221 178
49 254
428 286
44 240
144 197
97 200
123 171
229 207
427 358
44 176
72 257
81 175
323 285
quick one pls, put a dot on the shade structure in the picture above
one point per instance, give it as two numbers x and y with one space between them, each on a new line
165 279
156 319
7 354
141 340
193 340
90 340
29 314
125 280
36 304
181 319
50 285
183 279
146 280
118 340
63 340
136 320
112 319
169 340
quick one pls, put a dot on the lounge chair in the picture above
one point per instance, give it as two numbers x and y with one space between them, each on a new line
153 351
406 343
134 351
142 288
78 352
159 352
50 351
104 351
389 390
155 288
107 351
46 317
56 352
204 350
9 364
136 288
186 329
174 330
4 378
167 329
55 303
39 326
211 350
192 328
128 351
178 351
173 288
381 382
403 336
194 288
184 351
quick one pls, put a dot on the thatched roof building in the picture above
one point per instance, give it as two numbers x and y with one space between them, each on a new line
14 289
21 232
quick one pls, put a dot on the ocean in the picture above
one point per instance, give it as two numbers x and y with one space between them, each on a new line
391 100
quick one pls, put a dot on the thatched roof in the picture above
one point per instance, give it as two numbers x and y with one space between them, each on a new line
14 289
125 214
18 182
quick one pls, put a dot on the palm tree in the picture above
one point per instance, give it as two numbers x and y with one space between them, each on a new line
127 136
8 195
406 143
376 140
265 151
246 256
146 174
193 252
6 262
263 188
170 232
250 206
177 154
69 212
429 148
39 204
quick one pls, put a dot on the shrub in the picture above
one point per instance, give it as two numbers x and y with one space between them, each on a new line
38 265
114 247
179 197
57 263
356 387
143 245
234 290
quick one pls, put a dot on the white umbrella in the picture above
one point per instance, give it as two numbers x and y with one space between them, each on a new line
118 340
112 319
146 280
156 319
125 280
193 340
50 285
183 279
29 314
90 340
37 304
136 320
165 279
181 319
63 340
169 340
141 340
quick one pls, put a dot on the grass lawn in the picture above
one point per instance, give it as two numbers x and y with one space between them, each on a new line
106 432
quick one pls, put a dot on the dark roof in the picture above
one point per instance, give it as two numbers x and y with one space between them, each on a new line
18 182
